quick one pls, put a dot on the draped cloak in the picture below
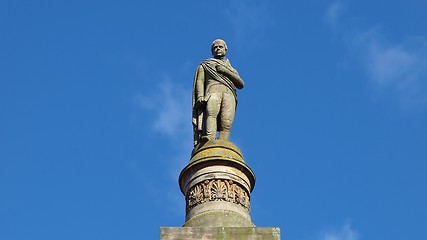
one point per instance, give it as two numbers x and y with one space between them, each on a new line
209 68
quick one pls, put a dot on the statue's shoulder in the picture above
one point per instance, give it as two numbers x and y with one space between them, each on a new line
211 61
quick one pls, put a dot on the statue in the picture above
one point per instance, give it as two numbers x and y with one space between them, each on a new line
214 95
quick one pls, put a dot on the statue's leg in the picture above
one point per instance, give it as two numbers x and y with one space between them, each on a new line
212 109
228 110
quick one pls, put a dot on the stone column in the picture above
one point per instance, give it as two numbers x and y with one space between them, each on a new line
217 185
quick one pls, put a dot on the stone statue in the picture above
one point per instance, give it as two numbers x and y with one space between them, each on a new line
214 95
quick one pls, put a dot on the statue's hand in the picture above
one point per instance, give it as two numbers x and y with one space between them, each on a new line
200 102
221 69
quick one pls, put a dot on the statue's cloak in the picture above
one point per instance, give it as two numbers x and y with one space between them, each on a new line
209 67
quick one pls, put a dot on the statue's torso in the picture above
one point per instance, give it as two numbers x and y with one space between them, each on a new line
214 86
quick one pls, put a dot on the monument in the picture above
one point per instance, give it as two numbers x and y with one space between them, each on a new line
216 182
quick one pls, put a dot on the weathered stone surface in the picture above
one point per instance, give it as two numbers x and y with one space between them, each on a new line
219 233
214 95
219 218
217 185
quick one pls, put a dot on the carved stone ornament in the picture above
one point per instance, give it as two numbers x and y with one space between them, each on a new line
217 190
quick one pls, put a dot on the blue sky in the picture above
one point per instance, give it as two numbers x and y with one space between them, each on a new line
95 124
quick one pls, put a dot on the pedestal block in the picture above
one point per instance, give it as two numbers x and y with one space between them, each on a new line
217 185
219 233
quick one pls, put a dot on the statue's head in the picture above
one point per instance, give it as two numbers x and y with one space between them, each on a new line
219 48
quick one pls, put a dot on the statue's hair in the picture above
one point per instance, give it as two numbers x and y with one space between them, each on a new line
219 41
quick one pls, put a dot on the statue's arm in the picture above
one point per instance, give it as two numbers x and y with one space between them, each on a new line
200 85
233 76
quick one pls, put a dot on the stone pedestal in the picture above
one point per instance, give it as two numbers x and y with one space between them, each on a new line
217 185
220 233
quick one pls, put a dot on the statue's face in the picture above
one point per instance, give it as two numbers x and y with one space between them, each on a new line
218 49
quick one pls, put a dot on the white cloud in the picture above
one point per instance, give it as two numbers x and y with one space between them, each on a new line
167 107
398 68
171 106
248 19
334 13
345 233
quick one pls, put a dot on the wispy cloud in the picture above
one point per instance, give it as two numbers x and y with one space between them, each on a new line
346 232
388 64
399 68
248 19
170 105
334 13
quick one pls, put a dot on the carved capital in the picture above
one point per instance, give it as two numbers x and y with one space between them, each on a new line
217 190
